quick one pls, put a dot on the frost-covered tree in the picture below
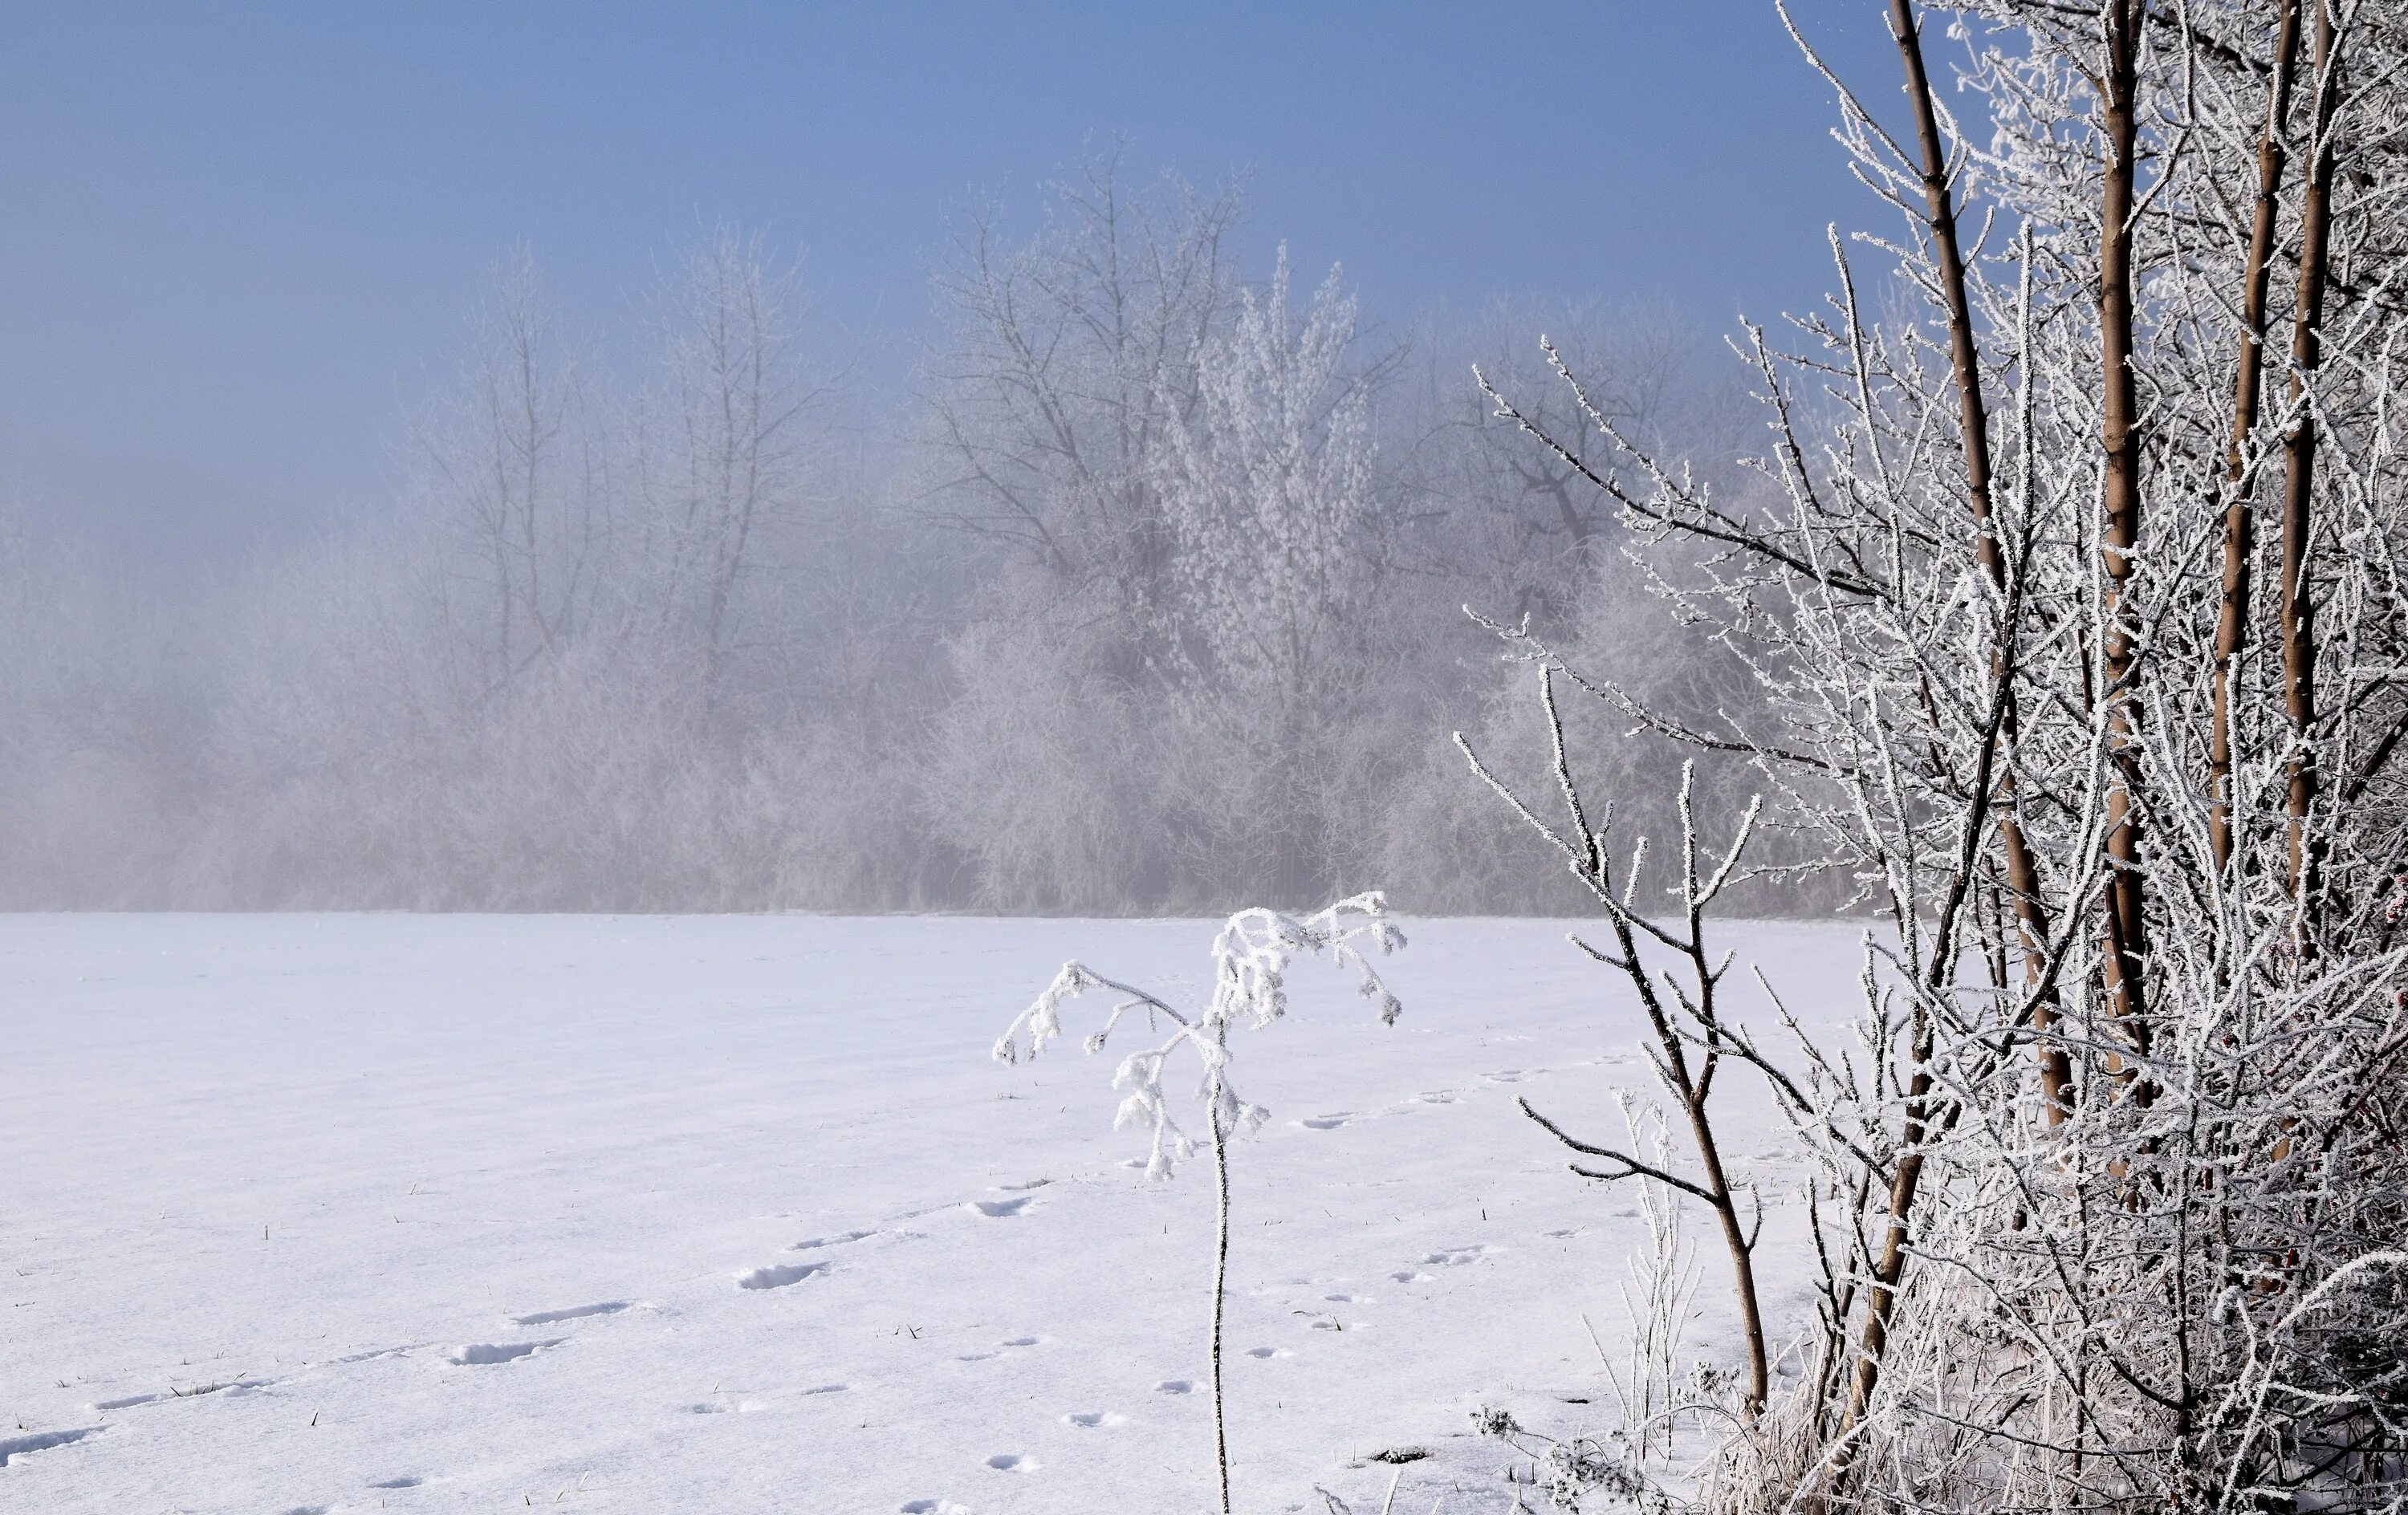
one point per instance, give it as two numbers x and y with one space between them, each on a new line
2077 621
1068 359
1050 402
1178 479
511 475
1268 487
725 444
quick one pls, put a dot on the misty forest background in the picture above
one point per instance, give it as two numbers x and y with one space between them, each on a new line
1146 594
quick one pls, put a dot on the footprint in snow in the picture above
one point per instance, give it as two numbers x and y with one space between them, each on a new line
1269 1351
370 1356
547 1317
1024 1341
1504 1075
243 1385
1022 1188
1093 1418
995 1209
1455 1256
826 1388
1326 1122
977 1357
1012 1462
127 1403
779 1275
487 1354
41 1441
1437 1096
837 1240
1350 1299
706 1409
1174 1386
406 1482
934 1506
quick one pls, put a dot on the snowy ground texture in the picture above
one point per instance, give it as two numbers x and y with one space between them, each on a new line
317 1213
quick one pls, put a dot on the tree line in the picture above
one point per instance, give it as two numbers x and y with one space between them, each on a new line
1145 593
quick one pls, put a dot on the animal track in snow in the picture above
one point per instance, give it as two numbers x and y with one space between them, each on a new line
1455 1256
41 1441
1022 1188
1409 1276
1093 1418
977 1357
837 1240
371 1356
1269 1351
934 1506
1174 1386
234 1385
1437 1096
405 1481
487 1354
127 1403
195 1391
1326 1122
706 1409
779 1275
995 1209
576 1312
1024 1341
1350 1299
1504 1075
826 1388
1012 1462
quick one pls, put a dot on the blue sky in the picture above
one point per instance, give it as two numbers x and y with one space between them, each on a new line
236 240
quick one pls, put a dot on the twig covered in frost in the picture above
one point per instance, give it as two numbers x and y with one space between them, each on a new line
1664 1274
1251 954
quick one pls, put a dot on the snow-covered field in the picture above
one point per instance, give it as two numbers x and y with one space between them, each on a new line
734 1214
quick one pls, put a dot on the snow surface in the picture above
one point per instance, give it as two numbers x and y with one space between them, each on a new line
317 1213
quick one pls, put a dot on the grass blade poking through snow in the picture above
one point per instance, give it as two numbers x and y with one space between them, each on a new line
1250 958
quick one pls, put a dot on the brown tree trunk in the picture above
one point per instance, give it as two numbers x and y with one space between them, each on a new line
2023 871
2240 516
1880 1300
2299 460
2127 939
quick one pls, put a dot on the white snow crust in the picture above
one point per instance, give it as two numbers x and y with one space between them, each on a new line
319 1213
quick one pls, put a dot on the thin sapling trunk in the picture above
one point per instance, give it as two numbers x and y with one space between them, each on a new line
1250 955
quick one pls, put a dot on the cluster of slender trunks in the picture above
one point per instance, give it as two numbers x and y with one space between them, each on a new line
2125 946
